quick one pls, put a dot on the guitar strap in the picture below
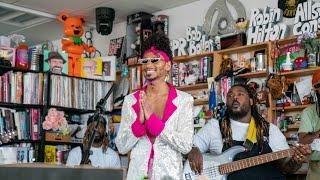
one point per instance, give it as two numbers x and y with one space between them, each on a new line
251 135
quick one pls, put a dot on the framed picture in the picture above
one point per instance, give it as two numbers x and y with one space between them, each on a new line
91 68
109 68
115 47
55 62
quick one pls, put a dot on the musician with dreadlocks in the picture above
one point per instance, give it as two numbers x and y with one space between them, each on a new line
309 129
243 125
101 155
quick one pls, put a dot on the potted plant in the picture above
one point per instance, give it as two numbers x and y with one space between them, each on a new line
311 45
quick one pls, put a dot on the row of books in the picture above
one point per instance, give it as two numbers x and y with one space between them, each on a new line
192 72
78 93
136 78
25 153
18 87
25 122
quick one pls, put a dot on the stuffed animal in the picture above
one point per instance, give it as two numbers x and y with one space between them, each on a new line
278 86
72 42
226 65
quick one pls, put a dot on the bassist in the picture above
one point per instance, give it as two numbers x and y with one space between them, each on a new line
243 125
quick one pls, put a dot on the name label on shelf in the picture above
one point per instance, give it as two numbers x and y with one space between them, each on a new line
196 42
265 25
307 18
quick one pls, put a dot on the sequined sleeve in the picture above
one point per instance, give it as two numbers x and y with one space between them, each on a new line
181 138
125 139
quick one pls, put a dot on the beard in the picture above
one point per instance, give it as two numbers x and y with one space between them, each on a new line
98 138
236 115
56 70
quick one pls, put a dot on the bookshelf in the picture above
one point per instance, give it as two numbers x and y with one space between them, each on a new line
254 74
244 53
20 106
298 73
14 69
192 87
191 57
195 63
290 108
43 102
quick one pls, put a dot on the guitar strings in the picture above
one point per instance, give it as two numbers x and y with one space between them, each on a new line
210 171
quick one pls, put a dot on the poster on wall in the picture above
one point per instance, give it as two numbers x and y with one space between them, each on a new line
115 47
289 7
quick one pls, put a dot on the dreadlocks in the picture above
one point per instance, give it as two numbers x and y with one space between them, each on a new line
261 124
87 134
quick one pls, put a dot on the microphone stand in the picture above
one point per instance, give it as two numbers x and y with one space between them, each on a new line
100 109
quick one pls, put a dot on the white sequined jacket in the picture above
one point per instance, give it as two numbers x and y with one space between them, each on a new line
174 140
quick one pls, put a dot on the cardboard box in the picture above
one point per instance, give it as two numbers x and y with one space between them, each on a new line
5 41
57 137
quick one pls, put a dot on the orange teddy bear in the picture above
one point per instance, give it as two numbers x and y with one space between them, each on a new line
72 42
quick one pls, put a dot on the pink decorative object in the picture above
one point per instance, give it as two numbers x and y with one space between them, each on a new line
55 120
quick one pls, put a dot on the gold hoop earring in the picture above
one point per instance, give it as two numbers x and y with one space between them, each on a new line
167 78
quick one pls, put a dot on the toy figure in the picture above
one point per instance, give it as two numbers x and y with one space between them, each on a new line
72 42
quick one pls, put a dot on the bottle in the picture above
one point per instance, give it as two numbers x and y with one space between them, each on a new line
287 66
318 56
295 97
312 59
22 56
31 155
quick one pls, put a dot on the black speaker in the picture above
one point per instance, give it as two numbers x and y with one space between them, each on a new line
104 20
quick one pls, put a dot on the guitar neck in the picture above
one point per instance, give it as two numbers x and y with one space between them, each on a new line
253 161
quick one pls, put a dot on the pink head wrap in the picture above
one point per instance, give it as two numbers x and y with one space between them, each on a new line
154 50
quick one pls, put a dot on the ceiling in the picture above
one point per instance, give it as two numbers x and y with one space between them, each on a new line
35 19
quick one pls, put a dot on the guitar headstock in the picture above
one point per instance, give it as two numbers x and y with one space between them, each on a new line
6 137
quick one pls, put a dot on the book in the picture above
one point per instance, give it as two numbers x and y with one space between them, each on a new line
50 154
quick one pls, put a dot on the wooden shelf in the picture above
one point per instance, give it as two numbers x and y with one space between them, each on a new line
253 74
247 48
18 106
6 68
288 40
198 102
291 108
302 72
117 107
293 127
187 58
193 87
72 110
90 79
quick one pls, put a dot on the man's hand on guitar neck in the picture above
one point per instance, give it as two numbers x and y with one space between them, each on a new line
195 160
300 152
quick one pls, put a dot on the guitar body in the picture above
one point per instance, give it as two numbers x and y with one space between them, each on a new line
211 165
